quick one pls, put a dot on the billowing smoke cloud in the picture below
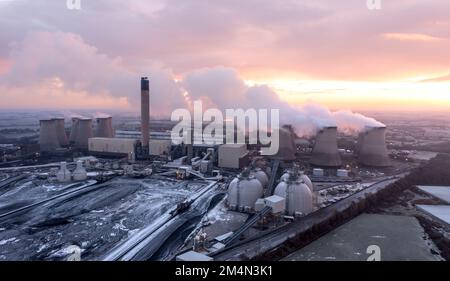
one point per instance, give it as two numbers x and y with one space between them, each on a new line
101 115
222 88
71 68
66 64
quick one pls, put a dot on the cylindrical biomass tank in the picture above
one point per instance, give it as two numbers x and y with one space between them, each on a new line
302 177
325 152
84 133
74 130
373 151
299 198
61 131
307 181
243 192
262 177
48 138
104 128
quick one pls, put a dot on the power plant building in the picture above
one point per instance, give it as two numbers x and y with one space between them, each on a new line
114 147
233 156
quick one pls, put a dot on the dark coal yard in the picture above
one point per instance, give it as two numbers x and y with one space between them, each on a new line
94 219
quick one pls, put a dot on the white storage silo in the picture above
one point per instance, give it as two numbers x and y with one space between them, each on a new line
299 198
80 173
243 192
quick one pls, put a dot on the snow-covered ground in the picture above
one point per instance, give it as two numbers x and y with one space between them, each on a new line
95 222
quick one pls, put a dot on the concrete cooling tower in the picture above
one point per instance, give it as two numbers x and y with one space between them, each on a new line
83 133
74 130
48 138
287 147
373 151
325 152
104 128
61 131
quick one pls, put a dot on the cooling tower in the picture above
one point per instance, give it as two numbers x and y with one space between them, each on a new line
74 130
359 142
325 152
104 128
61 131
373 150
48 138
145 111
287 147
84 132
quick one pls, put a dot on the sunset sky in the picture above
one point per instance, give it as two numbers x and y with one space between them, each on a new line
338 54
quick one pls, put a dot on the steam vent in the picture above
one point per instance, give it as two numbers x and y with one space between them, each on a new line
372 149
325 152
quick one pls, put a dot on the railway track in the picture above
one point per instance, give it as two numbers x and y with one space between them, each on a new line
151 237
90 186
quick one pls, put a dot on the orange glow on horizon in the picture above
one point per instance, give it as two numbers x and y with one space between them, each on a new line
354 95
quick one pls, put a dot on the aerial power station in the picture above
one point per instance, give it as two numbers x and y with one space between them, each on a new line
156 200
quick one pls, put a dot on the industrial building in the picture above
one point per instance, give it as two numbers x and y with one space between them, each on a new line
114 147
233 156
227 192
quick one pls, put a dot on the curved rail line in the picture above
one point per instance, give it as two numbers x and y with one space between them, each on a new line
90 186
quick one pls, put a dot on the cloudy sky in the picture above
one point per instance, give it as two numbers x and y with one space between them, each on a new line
228 53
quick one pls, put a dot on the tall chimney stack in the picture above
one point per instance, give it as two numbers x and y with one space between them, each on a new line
145 111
